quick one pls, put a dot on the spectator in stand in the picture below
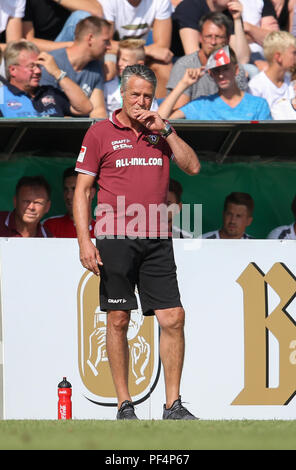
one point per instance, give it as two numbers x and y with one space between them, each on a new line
237 216
135 18
259 19
285 109
81 61
215 32
174 202
284 10
46 22
274 83
229 103
188 15
11 14
62 226
130 52
285 232
31 202
21 95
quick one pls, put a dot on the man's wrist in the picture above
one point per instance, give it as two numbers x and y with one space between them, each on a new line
62 74
166 131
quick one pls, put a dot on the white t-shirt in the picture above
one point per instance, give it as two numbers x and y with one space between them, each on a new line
10 8
284 232
252 13
135 21
261 85
283 110
113 98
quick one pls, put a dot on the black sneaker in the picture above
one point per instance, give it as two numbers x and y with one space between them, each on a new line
126 411
177 411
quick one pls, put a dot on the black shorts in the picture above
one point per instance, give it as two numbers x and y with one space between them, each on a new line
147 264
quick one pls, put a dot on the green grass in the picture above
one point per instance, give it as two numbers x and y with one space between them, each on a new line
147 435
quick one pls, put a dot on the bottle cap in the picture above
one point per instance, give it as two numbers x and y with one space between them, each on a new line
64 383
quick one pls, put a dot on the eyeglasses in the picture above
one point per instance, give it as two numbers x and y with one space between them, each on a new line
216 37
29 67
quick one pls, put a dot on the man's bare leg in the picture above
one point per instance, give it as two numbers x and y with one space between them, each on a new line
118 352
172 346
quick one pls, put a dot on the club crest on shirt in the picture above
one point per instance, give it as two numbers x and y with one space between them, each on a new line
48 100
153 139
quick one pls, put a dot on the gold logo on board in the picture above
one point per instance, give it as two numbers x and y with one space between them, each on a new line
143 341
258 321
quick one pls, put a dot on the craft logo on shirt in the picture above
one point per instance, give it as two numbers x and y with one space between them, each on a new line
121 144
82 154
153 139
48 100
14 104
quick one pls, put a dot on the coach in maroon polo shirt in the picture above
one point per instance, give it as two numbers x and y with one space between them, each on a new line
31 203
129 156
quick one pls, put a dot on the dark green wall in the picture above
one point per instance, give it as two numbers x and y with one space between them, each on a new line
271 184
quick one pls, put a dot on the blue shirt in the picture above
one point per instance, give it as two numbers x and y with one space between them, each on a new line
88 79
213 108
47 102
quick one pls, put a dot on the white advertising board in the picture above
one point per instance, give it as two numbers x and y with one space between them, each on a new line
240 360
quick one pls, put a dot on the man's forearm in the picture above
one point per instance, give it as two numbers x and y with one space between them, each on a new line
166 107
256 33
185 156
190 40
81 202
47 46
92 6
240 43
14 29
79 102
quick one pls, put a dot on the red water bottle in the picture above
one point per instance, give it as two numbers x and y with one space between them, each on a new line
64 404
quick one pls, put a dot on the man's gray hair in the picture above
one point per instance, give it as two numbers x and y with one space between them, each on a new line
141 71
13 50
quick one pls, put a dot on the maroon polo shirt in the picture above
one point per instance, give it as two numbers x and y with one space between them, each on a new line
133 176
8 227
62 226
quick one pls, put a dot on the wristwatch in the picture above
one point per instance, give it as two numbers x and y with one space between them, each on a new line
166 131
62 75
